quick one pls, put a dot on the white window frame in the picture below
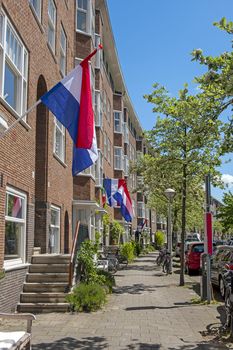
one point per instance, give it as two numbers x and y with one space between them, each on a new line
22 221
36 8
62 131
89 171
56 226
90 18
99 170
52 25
126 165
140 209
118 163
98 112
99 53
117 128
63 53
18 64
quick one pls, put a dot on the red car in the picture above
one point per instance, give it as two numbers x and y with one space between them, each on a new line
193 257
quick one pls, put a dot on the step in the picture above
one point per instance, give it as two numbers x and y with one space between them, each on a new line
36 250
45 287
51 259
47 277
42 297
48 268
42 307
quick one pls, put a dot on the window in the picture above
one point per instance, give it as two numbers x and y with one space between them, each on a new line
126 133
126 165
117 122
98 111
36 4
99 170
118 158
13 67
89 171
109 111
51 24
140 209
85 17
54 239
105 102
15 227
105 145
109 151
98 56
63 52
59 140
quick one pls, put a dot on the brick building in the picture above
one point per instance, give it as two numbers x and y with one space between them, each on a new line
40 202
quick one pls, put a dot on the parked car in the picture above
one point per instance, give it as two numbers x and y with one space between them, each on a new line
221 263
193 256
228 277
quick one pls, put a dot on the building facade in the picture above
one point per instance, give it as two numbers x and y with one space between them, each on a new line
40 201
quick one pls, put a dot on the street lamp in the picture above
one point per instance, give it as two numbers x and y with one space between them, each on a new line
170 194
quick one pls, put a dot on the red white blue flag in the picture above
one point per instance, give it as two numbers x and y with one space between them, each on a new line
71 103
118 195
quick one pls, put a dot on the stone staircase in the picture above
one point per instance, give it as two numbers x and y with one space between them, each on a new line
46 284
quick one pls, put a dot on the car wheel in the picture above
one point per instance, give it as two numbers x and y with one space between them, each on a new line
222 287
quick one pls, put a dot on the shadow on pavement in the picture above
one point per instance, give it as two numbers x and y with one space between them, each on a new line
96 343
175 306
188 346
138 288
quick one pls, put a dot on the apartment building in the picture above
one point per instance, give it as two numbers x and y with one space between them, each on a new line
40 201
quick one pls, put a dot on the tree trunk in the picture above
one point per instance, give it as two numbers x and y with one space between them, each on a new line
183 219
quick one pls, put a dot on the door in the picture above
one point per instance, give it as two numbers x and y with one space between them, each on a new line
54 239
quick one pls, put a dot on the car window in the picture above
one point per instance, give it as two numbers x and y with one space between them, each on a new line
198 248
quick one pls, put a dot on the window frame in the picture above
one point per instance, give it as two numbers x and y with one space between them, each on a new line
118 156
116 112
38 15
63 51
52 25
22 221
20 73
89 18
52 226
62 130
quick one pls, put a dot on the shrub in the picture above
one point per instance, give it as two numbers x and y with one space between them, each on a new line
137 248
116 231
108 280
159 239
87 297
127 251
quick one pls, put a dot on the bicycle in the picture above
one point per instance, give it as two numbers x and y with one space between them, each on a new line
167 263
161 257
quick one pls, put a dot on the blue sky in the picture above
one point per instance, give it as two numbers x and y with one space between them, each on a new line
154 39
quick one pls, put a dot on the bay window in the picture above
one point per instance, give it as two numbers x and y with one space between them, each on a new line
99 170
15 227
36 4
85 17
13 67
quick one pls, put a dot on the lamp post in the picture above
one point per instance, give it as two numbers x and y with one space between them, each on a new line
169 193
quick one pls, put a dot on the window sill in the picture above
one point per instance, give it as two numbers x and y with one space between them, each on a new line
118 132
84 33
59 160
36 18
15 267
52 52
15 114
87 175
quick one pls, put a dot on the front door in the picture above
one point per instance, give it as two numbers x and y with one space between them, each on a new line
54 240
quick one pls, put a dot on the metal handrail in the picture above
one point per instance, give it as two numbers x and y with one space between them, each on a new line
71 266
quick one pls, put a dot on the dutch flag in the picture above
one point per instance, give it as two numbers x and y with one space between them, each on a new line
71 103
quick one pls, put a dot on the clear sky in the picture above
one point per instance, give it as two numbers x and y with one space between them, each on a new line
154 39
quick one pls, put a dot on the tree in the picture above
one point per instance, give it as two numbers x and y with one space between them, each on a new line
217 82
226 213
185 146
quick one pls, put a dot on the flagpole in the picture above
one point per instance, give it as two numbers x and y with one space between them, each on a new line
20 118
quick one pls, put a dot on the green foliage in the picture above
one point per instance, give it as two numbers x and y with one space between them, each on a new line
116 230
87 297
108 280
159 239
2 274
127 251
106 223
226 213
137 248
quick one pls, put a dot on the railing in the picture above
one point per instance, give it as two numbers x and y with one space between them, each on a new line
73 251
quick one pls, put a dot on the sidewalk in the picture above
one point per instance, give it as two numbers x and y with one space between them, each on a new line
147 311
